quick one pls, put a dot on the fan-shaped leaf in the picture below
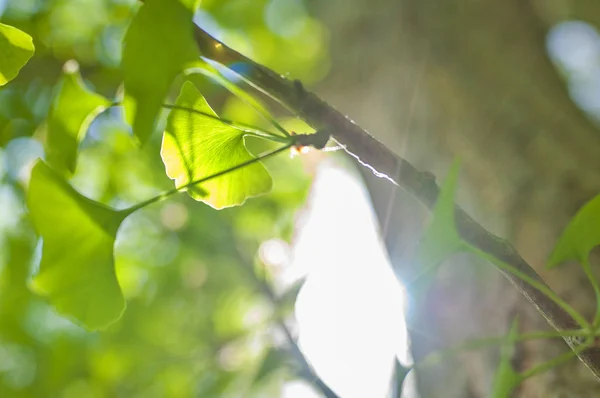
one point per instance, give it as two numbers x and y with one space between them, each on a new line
73 109
580 236
158 46
206 70
16 47
77 272
195 146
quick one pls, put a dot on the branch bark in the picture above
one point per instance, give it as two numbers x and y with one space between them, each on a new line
384 163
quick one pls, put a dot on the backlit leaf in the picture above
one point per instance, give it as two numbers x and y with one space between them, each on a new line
72 111
195 146
577 241
158 46
77 272
206 70
580 236
16 48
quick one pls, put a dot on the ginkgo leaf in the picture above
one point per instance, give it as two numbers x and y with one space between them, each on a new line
72 111
77 271
580 236
16 48
158 46
195 146
204 69
441 238
506 378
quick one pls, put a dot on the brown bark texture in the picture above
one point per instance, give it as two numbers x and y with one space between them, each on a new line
435 80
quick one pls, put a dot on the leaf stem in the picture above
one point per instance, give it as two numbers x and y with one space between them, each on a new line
587 268
540 286
175 190
476 344
552 363
246 128
213 73
306 371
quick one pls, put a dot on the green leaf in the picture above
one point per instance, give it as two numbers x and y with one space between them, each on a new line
195 146
157 47
577 241
77 272
580 236
73 109
207 70
16 48
441 239
506 379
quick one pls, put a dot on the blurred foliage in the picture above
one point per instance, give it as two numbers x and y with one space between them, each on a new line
71 113
16 48
76 270
159 28
195 324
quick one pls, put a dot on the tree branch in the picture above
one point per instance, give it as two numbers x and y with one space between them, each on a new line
306 371
384 163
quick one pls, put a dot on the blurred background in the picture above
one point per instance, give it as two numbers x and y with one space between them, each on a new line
512 88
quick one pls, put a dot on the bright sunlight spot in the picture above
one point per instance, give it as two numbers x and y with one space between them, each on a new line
299 389
350 311
574 46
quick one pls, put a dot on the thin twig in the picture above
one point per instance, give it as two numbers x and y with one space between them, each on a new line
384 163
306 369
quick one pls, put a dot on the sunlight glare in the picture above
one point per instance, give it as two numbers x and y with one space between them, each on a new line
350 311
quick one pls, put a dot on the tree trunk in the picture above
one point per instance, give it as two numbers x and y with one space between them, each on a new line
435 80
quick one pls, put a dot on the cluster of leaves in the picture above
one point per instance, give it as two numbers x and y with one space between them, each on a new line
203 154
207 157
77 272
